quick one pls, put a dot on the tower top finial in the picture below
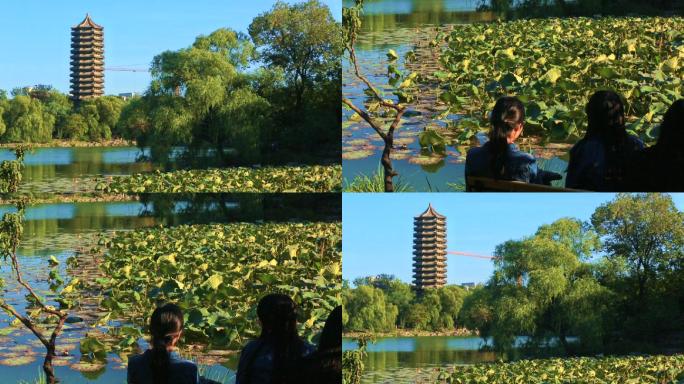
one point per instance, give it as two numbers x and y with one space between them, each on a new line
88 22
431 212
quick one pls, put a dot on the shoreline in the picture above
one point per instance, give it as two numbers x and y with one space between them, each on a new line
72 198
74 144
458 332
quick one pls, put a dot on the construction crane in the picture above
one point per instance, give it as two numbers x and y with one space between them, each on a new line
468 254
125 69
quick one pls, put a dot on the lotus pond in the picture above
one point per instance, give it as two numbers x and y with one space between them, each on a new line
462 60
300 179
104 325
613 370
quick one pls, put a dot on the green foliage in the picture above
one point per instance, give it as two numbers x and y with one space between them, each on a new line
634 369
643 240
542 288
434 310
11 172
315 178
27 121
218 273
373 183
75 127
352 362
370 310
300 46
42 114
554 65
303 39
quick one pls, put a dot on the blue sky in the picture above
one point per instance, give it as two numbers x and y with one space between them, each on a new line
35 35
377 228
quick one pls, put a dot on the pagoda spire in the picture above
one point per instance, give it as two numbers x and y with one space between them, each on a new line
87 60
429 250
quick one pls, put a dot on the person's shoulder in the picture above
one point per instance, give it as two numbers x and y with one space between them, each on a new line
635 142
183 366
308 349
251 347
521 155
476 151
138 359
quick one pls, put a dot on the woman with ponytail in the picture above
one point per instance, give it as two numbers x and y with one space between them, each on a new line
500 158
275 354
161 364
598 162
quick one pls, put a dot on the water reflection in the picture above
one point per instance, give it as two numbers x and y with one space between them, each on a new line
402 359
382 15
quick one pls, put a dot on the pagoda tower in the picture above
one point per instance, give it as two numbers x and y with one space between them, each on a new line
429 250
87 60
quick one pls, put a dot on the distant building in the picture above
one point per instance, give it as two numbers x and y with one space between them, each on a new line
429 250
128 95
468 285
87 60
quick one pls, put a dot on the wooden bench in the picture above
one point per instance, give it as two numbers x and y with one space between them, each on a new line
485 184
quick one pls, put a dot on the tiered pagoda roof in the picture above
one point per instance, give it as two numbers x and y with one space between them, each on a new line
429 250
87 60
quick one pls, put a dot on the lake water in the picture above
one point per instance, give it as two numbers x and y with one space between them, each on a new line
409 359
62 230
72 170
409 25
420 359
75 169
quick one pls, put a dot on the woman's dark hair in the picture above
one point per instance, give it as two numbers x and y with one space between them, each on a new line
278 315
507 114
672 129
166 323
331 336
606 118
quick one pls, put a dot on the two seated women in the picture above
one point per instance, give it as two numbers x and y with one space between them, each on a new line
608 158
278 356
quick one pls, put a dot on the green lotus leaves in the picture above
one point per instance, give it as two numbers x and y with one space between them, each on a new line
356 154
219 273
554 65
433 141
632 369
313 178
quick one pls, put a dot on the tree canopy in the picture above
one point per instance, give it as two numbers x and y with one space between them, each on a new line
612 284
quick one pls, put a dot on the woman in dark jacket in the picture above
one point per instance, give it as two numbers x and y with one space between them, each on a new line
272 357
660 168
500 158
599 161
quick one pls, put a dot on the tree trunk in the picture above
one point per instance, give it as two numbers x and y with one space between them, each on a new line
47 365
386 162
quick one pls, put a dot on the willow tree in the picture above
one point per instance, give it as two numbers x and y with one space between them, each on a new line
201 96
27 121
543 287
379 105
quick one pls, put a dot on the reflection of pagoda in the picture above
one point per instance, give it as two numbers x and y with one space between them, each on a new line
87 60
429 250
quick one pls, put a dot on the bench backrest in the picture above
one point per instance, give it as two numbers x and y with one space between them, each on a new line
486 184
